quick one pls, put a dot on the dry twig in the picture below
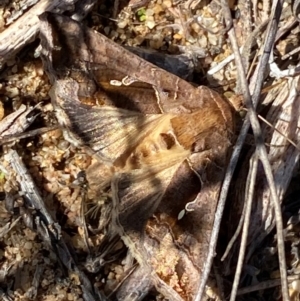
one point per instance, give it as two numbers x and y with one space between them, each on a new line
251 104
25 29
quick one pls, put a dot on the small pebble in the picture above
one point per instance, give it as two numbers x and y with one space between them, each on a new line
150 24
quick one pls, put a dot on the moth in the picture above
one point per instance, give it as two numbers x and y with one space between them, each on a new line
161 143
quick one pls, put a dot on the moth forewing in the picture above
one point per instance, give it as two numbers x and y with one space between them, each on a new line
112 133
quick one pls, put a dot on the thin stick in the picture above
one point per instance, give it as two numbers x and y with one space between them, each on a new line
262 151
277 6
265 285
268 46
236 234
49 229
40 131
219 212
250 188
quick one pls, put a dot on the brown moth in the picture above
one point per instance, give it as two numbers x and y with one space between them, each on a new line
162 145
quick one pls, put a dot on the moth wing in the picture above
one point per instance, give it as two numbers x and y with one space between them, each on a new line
110 132
143 83
137 194
136 197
